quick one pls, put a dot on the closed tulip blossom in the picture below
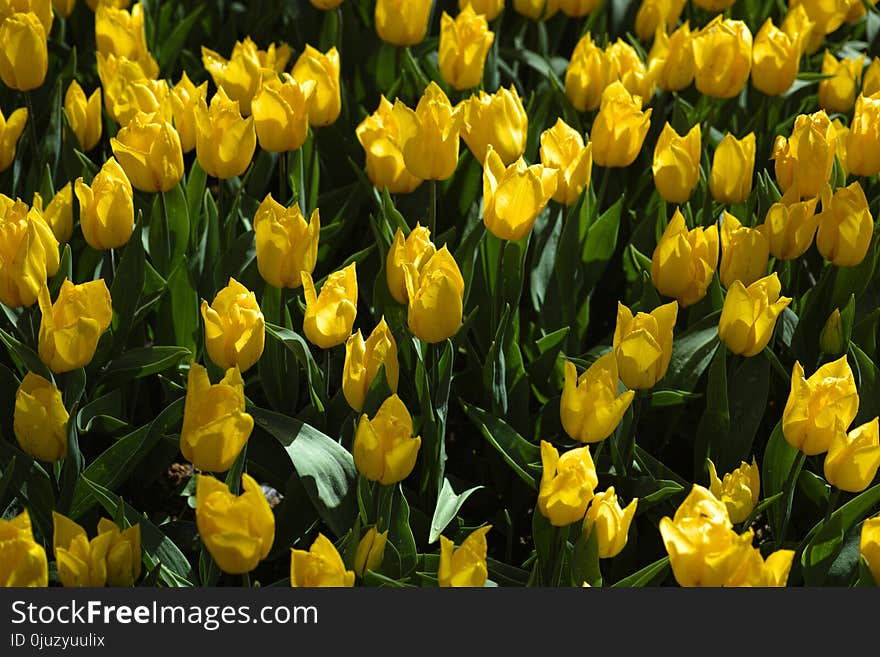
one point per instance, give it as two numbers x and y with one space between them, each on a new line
215 423
514 196
235 330
237 530
587 75
184 99
841 133
416 249
620 127
591 406
489 8
845 226
225 140
803 161
429 135
330 315
536 10
578 8
40 419
58 213
797 24
41 9
127 90
838 93
465 565
286 245
817 404
106 213
733 166
319 566
281 113
642 344
790 226
654 14
28 253
744 252
626 65
370 551
113 557
385 449
863 139
379 136
148 150
402 22
676 163
567 484
22 560
671 60
464 44
684 261
10 130
122 33
775 59
749 315
826 16
24 58
609 521
84 115
326 4
722 58
71 327
739 489
124 553
871 78
563 149
853 457
832 339
435 297
498 120
869 545
363 358
322 69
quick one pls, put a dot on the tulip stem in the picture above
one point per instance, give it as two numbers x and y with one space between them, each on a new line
788 496
432 209
556 557
246 580
600 197
499 286
283 184
327 374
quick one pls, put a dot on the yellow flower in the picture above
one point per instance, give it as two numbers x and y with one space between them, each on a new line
124 553
59 213
591 407
739 490
40 419
385 449
567 484
184 100
402 22
436 297
790 226
671 60
826 16
750 313
871 78
562 148
684 261
869 545
853 458
363 360
42 9
797 25
654 14
378 134
489 8
838 93
714 6
676 163
225 141
84 115
281 113
70 328
285 244
722 57
841 133
121 4
610 522
215 424
320 565
749 568
370 551
106 209
514 196
744 252
775 59
537 10
733 166
804 160
128 90
81 562
22 560
643 344
415 249
24 58
587 75
620 127
627 66
330 315
863 139
323 70
28 253
122 33
242 75
845 226
464 44
148 150
237 530
429 135
815 406
10 131
325 4
235 330
465 565
64 7
498 120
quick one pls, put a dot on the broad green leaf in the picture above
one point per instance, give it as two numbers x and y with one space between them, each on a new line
448 505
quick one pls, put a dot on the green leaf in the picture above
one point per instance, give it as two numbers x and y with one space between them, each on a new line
691 354
125 291
521 455
400 533
144 361
651 575
448 505
300 349
667 398
26 355
585 560
600 243
30 484
779 456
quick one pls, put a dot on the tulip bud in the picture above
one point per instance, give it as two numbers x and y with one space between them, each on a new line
869 545
562 148
845 226
28 250
122 33
863 139
489 8
123 554
465 565
676 163
323 70
587 75
235 330
106 209
684 261
24 58
722 57
790 226
81 562
749 315
464 44
185 98
384 447
429 135
591 407
657 14
148 150
370 551
84 115
237 530
23 561
837 331
627 66
816 404
775 59
330 315
536 10
320 565
436 297
59 213
379 136
402 22
739 490
619 128
610 522
10 131
225 141
285 244
853 458
416 249
498 120
744 252
804 160
671 60
733 166
128 90
838 93
643 344
363 360
70 328
40 419
215 424
567 484
281 113
514 196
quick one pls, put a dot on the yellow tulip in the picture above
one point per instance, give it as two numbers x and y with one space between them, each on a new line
826 16
790 226
567 484
845 226
733 166
59 213
671 60
610 522
591 406
841 133
363 358
379 136
64 7
416 250
537 10
127 90
798 26
28 252
620 127
370 551
286 245
871 78
106 209
627 66
465 565
744 252
722 57
489 8
215 424
40 419
22 560
402 22
81 562
225 140
863 138
714 6
122 33
739 490
838 93
385 449
562 148
42 9
84 115
654 14
498 120
643 344
775 59
804 160
750 313
587 75
24 58
330 315
10 131
676 163
323 70
514 196
70 328
320 565
281 113
578 8
869 545
148 150
749 568
124 554
237 530
325 4
853 458
684 261
121 4
235 330
815 406
184 100
429 135
464 44
436 294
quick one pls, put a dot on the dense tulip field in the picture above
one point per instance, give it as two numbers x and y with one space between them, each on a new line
456 293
